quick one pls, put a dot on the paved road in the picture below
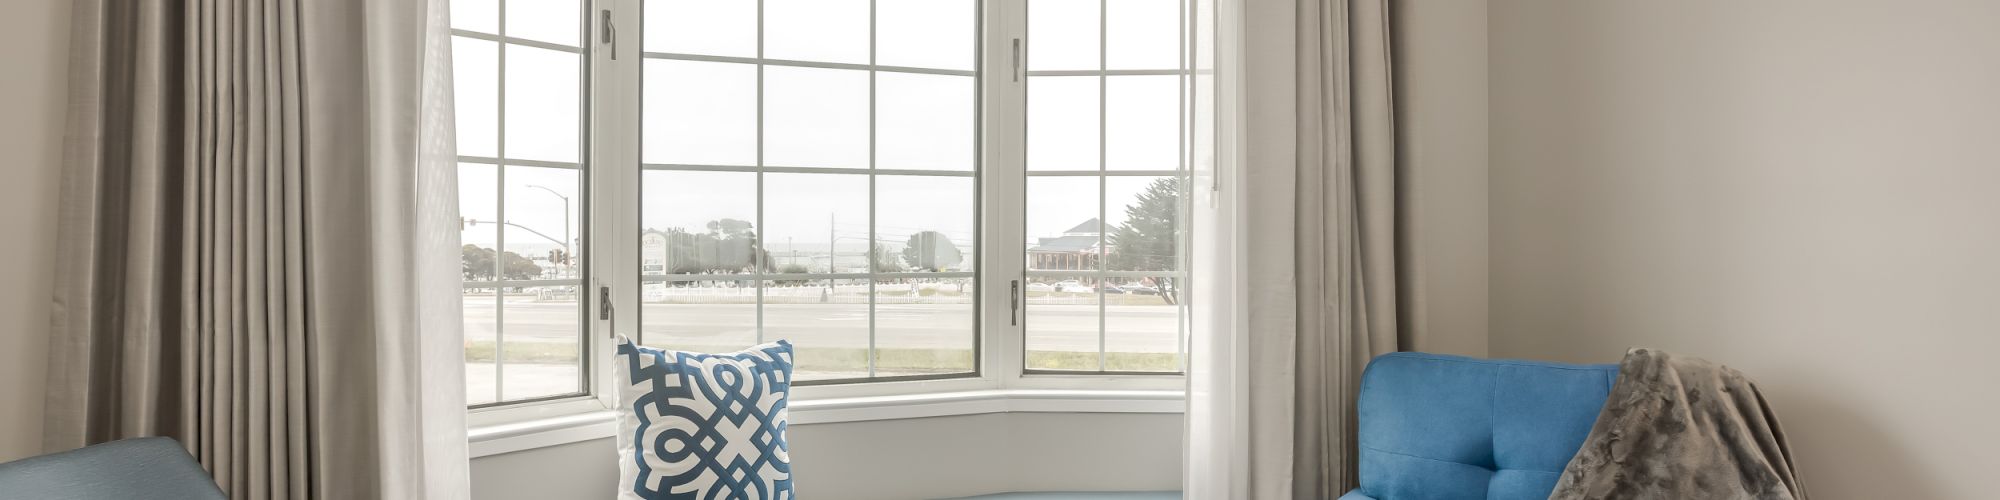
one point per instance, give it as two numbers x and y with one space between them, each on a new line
931 326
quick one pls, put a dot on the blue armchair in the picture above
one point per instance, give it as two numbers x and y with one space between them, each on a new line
153 467
1449 427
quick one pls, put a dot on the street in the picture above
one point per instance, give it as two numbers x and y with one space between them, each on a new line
536 327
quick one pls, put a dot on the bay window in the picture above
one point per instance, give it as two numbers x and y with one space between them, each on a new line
920 195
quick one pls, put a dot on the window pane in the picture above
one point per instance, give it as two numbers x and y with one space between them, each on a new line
827 323
542 218
816 30
1062 323
481 334
1062 123
699 113
553 21
1142 319
809 217
923 326
925 223
478 207
475 77
541 330
924 122
708 27
1062 223
476 15
815 117
1142 122
1145 231
478 211
699 316
544 97
697 222
925 33
1142 34
1062 34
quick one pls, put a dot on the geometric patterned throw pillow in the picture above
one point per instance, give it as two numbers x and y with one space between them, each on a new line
704 426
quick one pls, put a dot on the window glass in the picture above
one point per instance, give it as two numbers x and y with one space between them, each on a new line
837 194
521 198
703 27
1105 214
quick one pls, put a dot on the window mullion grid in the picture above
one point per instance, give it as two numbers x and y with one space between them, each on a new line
575 213
1103 222
756 250
500 226
1185 157
872 236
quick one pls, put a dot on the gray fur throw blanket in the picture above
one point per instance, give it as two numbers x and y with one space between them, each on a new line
1681 429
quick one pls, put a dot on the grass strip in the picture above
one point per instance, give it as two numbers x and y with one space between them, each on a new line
898 360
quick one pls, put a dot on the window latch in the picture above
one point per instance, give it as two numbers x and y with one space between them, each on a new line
1016 72
1014 302
609 32
604 303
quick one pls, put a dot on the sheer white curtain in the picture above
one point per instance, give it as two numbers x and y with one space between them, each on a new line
1300 245
258 240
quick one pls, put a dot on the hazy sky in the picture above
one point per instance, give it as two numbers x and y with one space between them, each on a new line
705 113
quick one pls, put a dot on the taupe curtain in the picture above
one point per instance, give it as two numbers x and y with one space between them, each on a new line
1312 218
257 240
1347 242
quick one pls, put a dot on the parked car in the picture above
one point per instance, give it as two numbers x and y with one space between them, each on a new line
1136 289
1074 286
1041 287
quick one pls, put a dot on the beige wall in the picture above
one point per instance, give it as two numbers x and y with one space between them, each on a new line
1808 190
33 49
1440 65
901 459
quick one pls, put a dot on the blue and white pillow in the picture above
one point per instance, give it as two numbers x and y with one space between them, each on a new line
704 426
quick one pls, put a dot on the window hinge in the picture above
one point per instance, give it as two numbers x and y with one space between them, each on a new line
609 32
1014 302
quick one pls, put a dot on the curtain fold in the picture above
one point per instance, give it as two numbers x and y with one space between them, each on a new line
1312 273
257 244
1347 241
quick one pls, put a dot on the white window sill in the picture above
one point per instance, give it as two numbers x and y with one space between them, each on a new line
512 437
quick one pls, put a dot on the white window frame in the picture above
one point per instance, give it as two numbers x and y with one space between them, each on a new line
1001 381
594 395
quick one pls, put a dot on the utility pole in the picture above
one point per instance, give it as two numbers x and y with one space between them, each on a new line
831 250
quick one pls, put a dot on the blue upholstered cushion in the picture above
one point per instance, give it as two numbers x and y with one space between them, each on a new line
1448 427
153 467
704 426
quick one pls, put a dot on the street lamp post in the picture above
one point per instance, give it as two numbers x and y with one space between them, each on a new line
568 254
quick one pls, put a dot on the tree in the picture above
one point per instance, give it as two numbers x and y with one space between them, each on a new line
729 246
793 269
1150 238
931 251
886 261
476 264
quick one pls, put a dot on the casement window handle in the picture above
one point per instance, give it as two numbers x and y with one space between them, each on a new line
1014 302
1016 72
608 32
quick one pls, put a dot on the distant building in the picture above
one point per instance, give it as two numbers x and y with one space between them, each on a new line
1077 249
652 252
